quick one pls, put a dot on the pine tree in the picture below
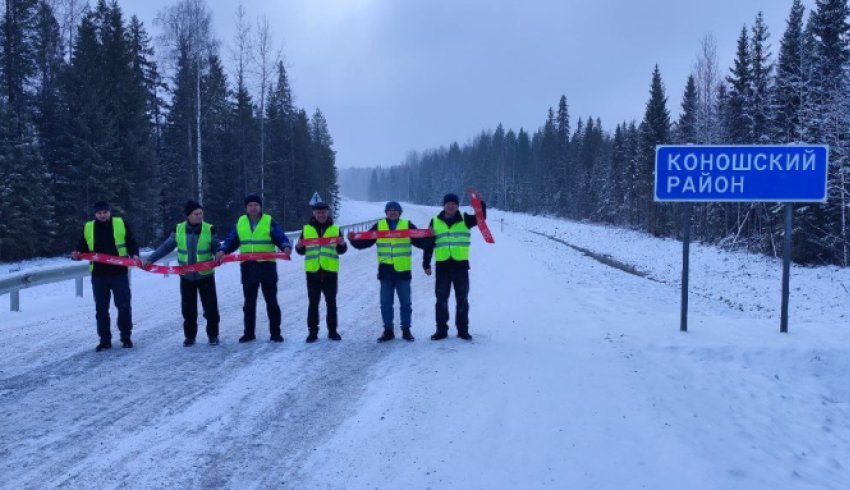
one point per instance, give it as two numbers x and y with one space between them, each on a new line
323 161
632 173
548 163
296 206
740 120
222 185
23 191
18 59
594 169
828 226
508 179
244 139
523 166
616 178
496 162
686 127
48 116
178 166
790 82
374 186
280 119
761 70
25 201
654 130
137 144
565 186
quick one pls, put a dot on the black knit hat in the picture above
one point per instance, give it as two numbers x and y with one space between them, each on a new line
451 198
253 198
101 206
321 205
191 206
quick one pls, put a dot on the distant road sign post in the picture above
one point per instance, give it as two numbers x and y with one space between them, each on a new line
741 173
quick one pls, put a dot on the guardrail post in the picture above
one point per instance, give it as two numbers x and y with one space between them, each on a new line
15 300
79 284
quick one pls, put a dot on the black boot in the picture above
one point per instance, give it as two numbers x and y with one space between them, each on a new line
188 342
463 333
440 334
247 338
333 334
276 337
406 335
313 336
102 346
213 340
387 335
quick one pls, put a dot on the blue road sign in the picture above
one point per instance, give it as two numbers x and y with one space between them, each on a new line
741 173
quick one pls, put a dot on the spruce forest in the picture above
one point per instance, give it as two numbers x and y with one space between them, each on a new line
95 106
795 90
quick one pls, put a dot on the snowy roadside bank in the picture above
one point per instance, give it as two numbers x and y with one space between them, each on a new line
748 282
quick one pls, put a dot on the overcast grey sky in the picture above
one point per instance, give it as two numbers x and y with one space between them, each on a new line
398 75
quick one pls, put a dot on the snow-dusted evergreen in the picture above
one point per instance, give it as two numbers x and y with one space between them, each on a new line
101 121
798 93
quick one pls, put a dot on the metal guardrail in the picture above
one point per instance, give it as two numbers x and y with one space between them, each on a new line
13 284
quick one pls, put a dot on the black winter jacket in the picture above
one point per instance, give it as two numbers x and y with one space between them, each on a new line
104 243
451 264
341 247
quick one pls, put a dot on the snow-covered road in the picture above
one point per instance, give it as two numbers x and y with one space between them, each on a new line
577 378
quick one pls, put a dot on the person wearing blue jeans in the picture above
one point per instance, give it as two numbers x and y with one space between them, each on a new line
389 288
394 266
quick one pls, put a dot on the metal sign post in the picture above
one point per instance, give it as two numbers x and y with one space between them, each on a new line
740 173
686 259
786 267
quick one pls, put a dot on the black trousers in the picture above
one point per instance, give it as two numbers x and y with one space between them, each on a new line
250 291
446 278
189 292
319 283
103 287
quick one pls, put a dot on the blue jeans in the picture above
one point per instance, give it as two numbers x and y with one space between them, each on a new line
388 289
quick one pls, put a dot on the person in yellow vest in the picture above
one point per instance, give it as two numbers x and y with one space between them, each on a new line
195 241
109 235
451 248
321 262
394 265
257 232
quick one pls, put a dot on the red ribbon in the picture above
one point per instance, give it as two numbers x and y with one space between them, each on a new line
374 235
312 242
183 269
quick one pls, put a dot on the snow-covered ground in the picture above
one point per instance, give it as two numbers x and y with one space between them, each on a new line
577 378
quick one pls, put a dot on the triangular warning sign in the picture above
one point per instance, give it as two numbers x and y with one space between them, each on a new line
315 199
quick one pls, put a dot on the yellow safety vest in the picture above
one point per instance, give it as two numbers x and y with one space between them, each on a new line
119 232
204 246
395 251
451 242
257 240
321 256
